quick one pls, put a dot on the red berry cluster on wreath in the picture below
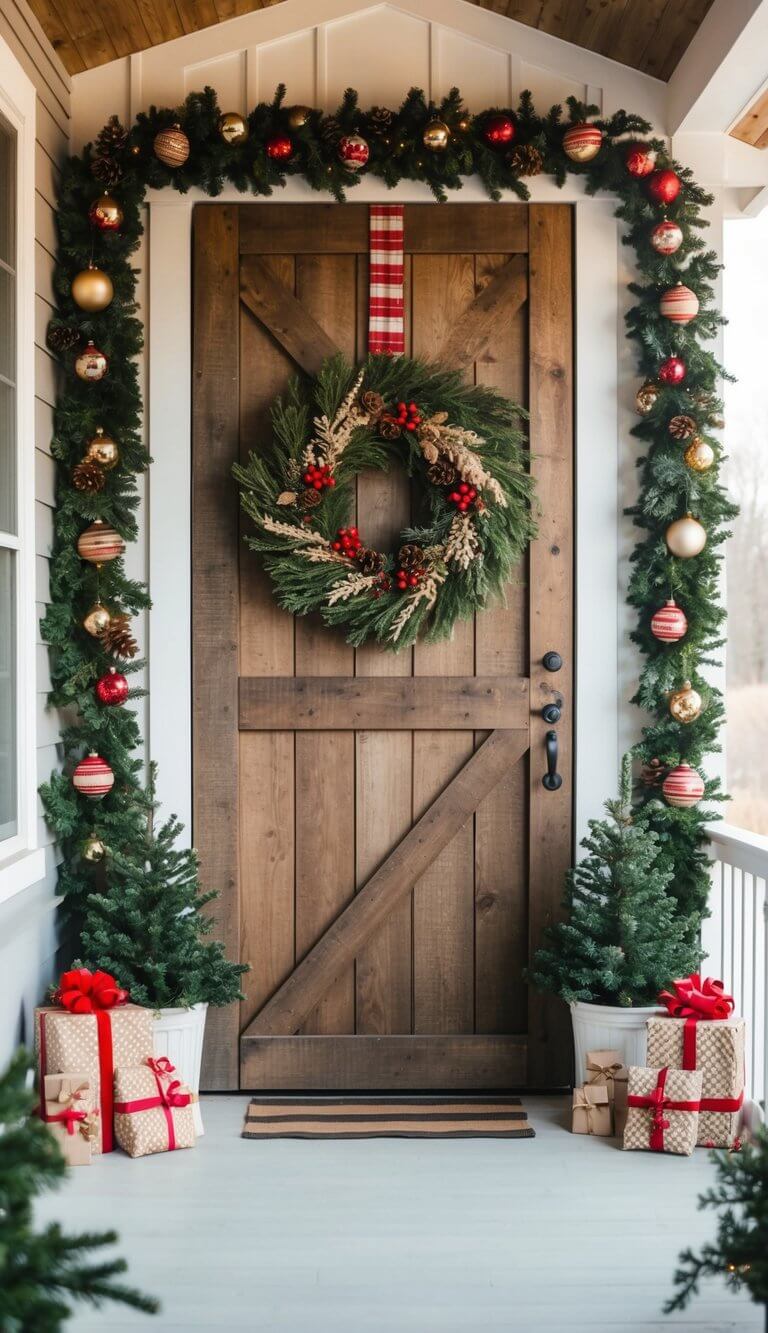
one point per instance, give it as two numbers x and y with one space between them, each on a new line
347 542
463 497
408 416
383 584
319 477
405 579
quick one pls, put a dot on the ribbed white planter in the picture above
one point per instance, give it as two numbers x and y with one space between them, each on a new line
607 1027
178 1033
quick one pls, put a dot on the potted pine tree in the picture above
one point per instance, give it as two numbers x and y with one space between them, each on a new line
622 940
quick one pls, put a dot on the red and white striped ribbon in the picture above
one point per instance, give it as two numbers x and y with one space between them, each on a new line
385 293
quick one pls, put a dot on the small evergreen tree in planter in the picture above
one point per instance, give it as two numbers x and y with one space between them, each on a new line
740 1252
43 1272
623 940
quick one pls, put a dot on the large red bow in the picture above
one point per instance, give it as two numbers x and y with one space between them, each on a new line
85 992
694 998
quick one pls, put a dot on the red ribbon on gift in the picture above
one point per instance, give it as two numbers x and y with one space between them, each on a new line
657 1103
69 1116
84 992
700 1001
169 1095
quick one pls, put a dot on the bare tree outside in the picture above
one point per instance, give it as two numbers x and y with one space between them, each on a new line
746 441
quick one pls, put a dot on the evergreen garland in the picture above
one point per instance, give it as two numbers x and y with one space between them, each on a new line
124 161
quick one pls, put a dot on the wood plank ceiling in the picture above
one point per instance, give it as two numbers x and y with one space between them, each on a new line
649 35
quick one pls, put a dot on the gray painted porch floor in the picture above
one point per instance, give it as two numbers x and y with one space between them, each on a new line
557 1234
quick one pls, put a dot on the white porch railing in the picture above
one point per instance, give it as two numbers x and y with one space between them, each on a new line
736 938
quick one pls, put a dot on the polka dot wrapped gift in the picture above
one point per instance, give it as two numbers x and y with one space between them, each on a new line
90 1030
662 1110
153 1110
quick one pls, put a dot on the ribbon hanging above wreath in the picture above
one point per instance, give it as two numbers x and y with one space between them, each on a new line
463 448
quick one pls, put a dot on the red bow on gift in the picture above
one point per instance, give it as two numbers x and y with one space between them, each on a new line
172 1093
69 1117
694 998
85 992
657 1104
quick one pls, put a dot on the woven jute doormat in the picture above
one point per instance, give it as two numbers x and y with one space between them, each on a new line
386 1118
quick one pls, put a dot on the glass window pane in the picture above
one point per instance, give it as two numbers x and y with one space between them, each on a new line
8 819
7 458
7 194
7 323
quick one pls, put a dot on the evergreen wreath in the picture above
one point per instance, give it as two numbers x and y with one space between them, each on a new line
502 146
462 446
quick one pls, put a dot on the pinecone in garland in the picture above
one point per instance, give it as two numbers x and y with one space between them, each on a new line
88 476
442 473
682 427
330 132
370 562
372 403
110 142
410 556
653 773
310 498
525 160
381 119
117 638
62 338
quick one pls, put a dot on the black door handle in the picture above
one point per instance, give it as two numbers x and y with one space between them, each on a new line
552 779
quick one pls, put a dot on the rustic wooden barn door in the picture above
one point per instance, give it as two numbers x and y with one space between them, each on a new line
376 824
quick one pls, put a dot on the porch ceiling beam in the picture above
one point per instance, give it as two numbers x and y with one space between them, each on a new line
382 703
722 71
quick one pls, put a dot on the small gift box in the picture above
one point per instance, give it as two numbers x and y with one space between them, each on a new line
699 1032
592 1111
663 1110
153 1110
70 1114
605 1069
94 1029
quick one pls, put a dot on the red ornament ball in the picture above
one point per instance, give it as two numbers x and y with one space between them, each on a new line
499 130
640 160
683 787
666 237
93 777
354 151
669 624
280 148
673 370
112 689
664 186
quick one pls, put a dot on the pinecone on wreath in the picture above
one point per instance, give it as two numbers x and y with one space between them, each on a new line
310 498
410 556
118 639
372 403
110 141
525 160
442 473
389 428
370 562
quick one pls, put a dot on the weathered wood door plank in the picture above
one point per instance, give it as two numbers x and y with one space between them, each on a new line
383 703
476 330
284 316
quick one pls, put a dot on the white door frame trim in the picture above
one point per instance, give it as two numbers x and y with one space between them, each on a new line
601 420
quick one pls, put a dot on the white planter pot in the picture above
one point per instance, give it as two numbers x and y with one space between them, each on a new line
607 1027
178 1034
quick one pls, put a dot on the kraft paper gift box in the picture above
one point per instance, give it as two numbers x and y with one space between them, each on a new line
715 1047
606 1069
94 1043
71 1116
662 1110
592 1112
153 1110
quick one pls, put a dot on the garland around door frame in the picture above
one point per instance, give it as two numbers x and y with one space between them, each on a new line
682 511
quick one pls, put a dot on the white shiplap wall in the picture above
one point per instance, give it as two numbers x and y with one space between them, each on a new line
27 921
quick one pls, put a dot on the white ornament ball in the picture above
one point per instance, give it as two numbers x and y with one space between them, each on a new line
686 537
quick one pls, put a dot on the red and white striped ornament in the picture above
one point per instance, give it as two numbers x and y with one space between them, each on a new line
385 279
666 237
582 142
669 623
93 777
100 543
683 787
679 304
354 151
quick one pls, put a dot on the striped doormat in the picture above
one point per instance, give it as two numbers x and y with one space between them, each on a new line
386 1118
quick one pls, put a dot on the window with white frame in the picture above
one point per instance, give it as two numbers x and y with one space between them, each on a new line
9 527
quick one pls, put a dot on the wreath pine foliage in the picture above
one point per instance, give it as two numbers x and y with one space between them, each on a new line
452 559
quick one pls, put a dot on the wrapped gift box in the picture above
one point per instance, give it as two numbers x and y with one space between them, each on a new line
94 1043
662 1110
605 1069
71 1115
715 1047
153 1110
591 1112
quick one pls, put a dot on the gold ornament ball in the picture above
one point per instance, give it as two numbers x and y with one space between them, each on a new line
686 537
436 136
92 289
103 450
646 397
96 621
463 124
685 704
298 116
699 456
93 849
172 146
233 127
